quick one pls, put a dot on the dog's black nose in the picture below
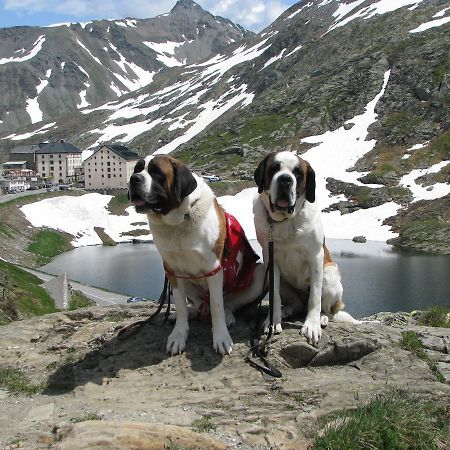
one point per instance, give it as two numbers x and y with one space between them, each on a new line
136 178
285 179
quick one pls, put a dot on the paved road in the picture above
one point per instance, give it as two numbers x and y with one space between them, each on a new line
8 197
102 298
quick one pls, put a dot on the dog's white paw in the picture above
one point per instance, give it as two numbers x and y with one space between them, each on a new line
324 320
222 342
229 317
312 330
276 327
176 341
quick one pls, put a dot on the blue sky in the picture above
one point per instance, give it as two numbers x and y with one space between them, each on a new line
252 14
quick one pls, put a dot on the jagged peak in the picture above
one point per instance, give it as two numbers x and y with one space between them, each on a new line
185 4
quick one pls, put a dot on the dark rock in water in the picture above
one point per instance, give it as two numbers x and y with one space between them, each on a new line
360 239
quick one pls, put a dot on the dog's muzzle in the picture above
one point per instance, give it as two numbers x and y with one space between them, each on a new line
285 199
135 188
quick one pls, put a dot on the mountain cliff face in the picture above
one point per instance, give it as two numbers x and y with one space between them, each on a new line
360 88
46 72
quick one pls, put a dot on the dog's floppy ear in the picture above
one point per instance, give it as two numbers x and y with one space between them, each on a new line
184 182
259 174
310 188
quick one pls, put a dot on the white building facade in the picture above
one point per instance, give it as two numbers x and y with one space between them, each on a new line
109 167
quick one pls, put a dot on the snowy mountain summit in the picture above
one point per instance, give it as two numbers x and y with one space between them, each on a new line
359 87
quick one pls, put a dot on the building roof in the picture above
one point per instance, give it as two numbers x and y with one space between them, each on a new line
57 147
24 148
123 152
14 163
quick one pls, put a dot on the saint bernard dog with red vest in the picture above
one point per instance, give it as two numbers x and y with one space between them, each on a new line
305 276
207 258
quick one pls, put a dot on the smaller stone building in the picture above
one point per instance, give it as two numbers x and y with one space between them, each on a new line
109 167
57 160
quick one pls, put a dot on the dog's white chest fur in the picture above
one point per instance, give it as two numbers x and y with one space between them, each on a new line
295 241
186 245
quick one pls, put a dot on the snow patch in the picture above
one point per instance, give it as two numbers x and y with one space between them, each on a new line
19 137
37 46
88 51
377 8
141 76
79 215
337 152
165 51
419 192
32 107
273 59
432 24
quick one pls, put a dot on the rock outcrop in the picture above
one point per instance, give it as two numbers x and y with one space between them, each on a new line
97 389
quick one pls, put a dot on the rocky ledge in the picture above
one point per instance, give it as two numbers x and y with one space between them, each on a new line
87 389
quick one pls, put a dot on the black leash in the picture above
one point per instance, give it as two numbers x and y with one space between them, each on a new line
133 328
258 347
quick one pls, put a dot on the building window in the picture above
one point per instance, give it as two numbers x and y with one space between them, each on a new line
109 175
90 176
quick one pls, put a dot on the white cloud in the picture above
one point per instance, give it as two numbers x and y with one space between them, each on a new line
253 14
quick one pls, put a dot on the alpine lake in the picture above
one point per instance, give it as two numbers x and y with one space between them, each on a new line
375 276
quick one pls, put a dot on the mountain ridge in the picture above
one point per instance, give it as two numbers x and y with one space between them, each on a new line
49 71
315 70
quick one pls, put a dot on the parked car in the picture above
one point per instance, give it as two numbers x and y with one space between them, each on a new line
64 187
136 300
12 191
211 178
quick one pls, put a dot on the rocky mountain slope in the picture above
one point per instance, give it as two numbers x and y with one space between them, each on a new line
360 88
46 72
67 381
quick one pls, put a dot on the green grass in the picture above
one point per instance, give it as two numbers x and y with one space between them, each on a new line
79 300
14 381
23 293
388 422
411 341
86 417
6 231
435 152
254 131
203 425
436 316
118 204
46 244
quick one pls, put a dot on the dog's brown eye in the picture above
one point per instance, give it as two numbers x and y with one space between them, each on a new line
297 172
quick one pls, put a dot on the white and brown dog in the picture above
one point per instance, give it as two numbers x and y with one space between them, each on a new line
303 269
193 235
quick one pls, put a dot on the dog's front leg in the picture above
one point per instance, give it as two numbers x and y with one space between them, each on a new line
222 341
177 339
312 329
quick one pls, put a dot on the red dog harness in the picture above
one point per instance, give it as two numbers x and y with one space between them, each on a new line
238 262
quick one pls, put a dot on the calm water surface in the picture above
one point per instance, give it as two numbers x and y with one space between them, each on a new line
375 278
